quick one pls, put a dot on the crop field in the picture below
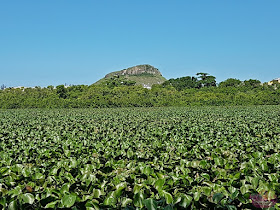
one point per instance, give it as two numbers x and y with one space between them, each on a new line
140 158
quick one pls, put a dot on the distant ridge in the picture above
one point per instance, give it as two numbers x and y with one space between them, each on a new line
145 75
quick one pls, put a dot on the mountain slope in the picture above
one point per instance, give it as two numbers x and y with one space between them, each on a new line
145 75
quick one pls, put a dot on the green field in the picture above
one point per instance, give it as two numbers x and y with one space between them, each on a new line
133 158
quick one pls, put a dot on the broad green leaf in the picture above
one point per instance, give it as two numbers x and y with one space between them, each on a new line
217 197
195 163
232 189
237 175
206 190
4 171
137 188
196 196
264 166
218 161
203 164
126 201
15 192
168 197
68 200
129 153
53 171
52 205
139 200
160 175
245 188
26 172
65 188
92 205
169 207
91 208
242 199
159 184
234 194
2 188
96 193
28 198
13 205
231 207
206 176
150 204
255 182
119 189
3 201
147 170
73 163
257 154
86 197
186 200
110 199
177 198
38 176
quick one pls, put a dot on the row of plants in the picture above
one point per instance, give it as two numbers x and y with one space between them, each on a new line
136 158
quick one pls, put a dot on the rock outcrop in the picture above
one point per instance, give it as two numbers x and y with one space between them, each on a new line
136 70
145 75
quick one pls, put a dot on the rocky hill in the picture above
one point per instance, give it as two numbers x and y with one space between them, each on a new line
145 75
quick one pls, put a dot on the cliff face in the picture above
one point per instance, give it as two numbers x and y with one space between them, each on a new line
136 70
145 75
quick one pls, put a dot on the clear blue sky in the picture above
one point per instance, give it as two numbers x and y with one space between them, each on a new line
53 42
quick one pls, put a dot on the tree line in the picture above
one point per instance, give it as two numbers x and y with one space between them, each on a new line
198 90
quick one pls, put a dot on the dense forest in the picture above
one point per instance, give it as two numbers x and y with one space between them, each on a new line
201 89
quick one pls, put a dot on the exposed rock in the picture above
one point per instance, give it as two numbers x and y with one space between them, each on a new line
144 75
136 70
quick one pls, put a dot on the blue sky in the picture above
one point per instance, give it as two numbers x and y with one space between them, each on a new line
78 42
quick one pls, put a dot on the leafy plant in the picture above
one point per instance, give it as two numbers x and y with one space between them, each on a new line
154 158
